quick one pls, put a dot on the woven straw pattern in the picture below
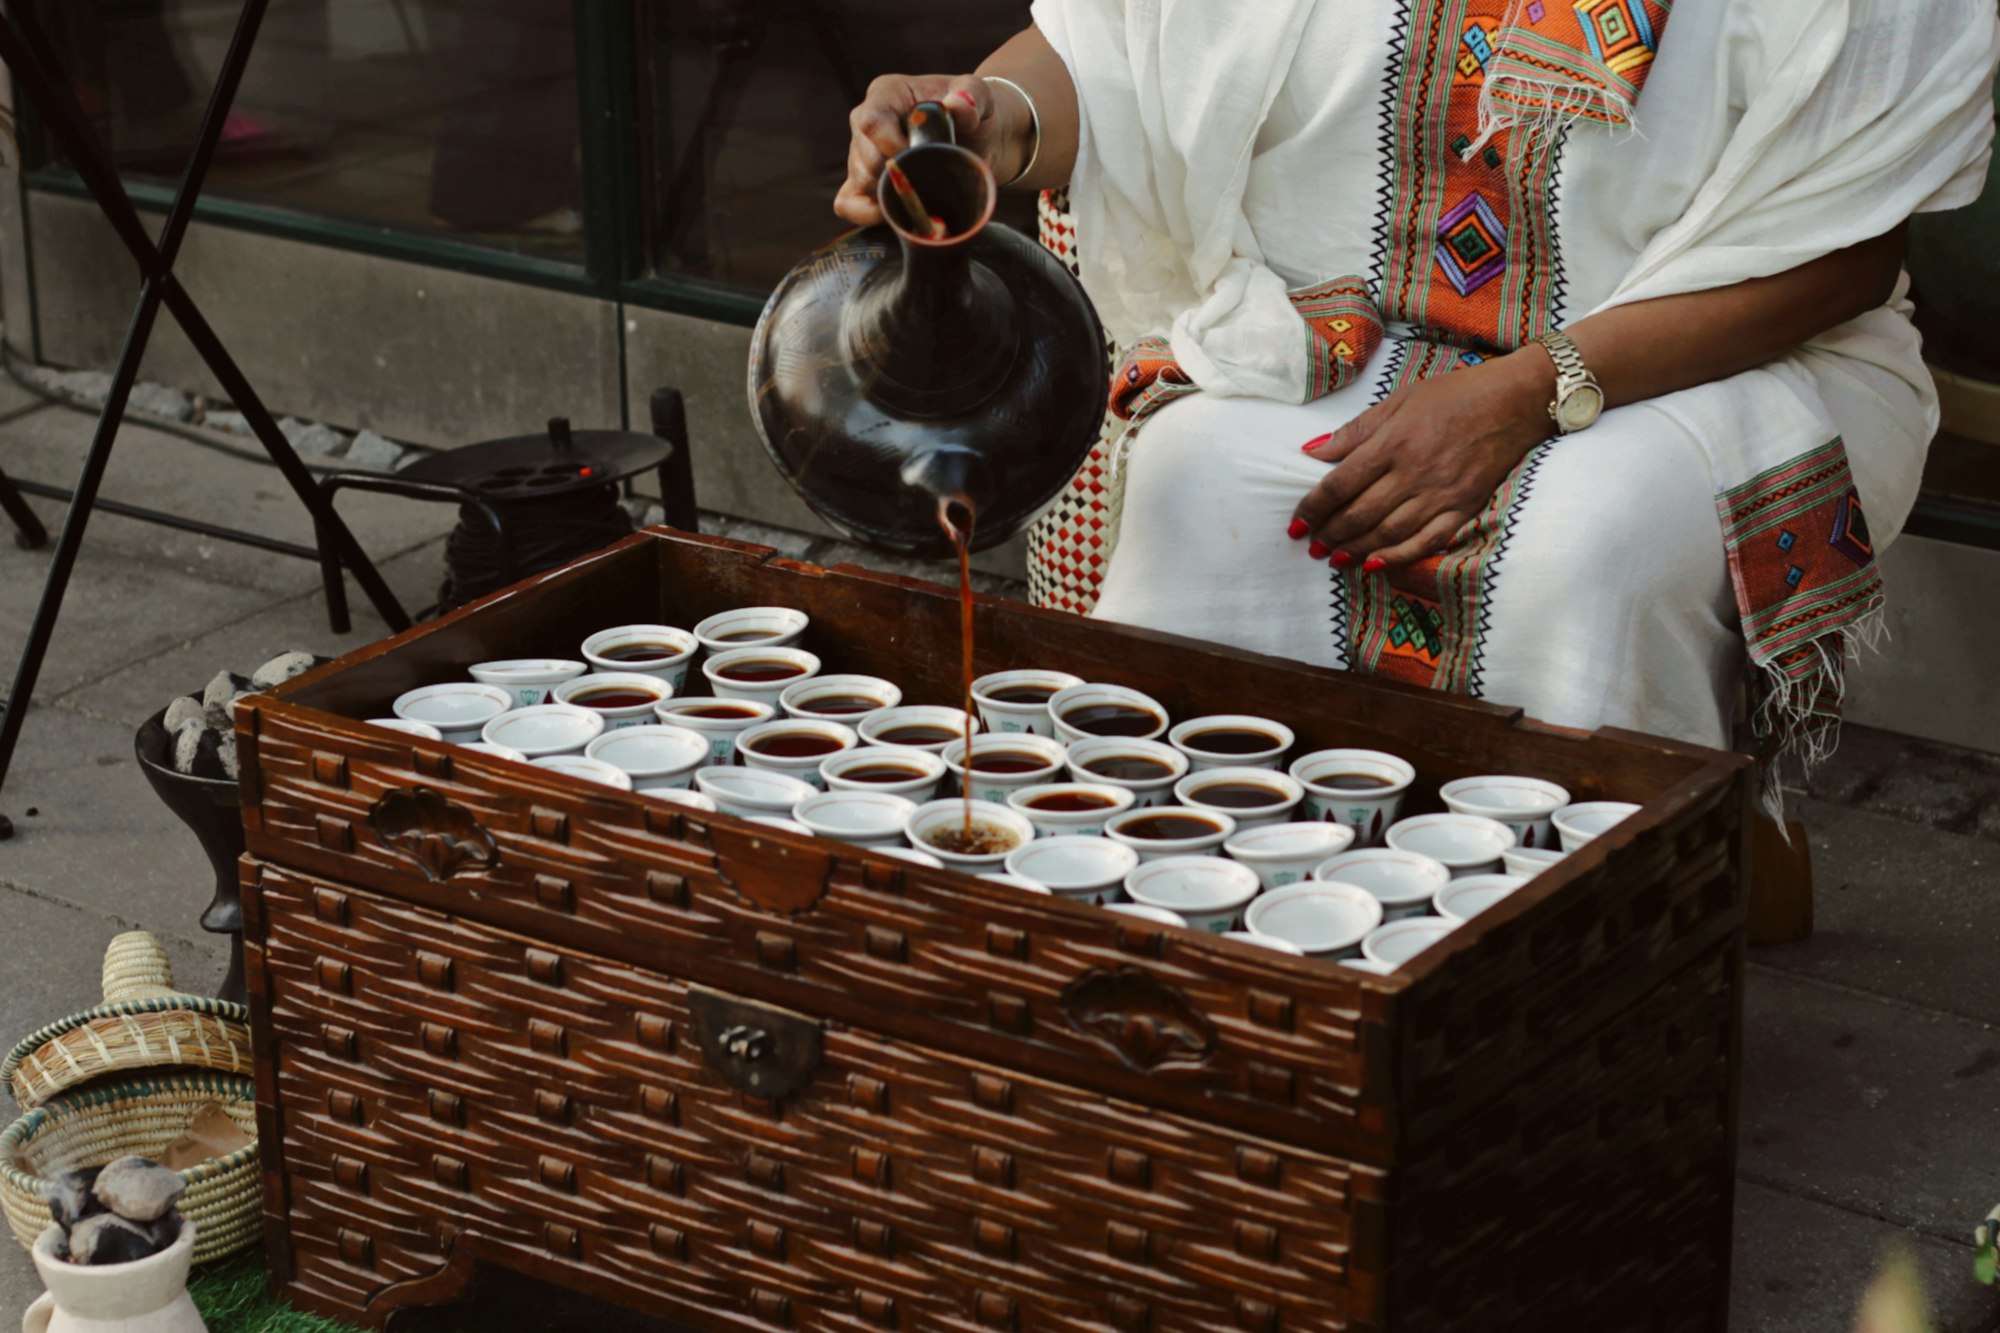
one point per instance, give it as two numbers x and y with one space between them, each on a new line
136 968
143 1115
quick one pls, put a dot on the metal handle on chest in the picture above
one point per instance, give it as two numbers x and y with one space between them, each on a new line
755 1048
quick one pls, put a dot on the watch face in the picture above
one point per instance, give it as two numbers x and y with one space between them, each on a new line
1580 407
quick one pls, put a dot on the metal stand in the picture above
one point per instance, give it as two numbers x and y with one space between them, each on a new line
29 534
39 77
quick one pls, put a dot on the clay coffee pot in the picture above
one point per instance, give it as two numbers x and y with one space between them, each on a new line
930 361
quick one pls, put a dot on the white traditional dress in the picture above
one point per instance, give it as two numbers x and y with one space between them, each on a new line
1285 210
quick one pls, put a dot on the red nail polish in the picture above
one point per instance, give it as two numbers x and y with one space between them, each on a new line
1319 550
1311 445
1374 564
1341 560
969 99
1297 530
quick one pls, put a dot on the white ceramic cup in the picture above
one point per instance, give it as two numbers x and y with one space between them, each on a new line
1398 942
655 757
1048 756
1405 883
1187 739
945 725
1463 899
1017 882
590 770
532 679
805 667
682 796
745 792
1324 920
493 751
773 626
407 727
1088 823
862 818
1082 869
1466 844
799 700
729 718
583 688
1208 892
541 730
1088 758
1159 916
1367 810
782 824
1004 715
1578 824
1530 861
458 708
910 854
1282 854
1271 942
804 767
940 817
1286 794
1522 804
602 649
1220 829
924 771
1078 697
1367 965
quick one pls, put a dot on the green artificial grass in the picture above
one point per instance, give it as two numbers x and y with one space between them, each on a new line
234 1296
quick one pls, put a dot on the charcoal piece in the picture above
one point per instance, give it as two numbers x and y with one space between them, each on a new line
110 1239
203 755
180 712
70 1198
225 754
165 1229
138 1189
187 744
222 692
281 669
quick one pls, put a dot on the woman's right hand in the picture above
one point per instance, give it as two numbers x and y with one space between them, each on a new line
878 133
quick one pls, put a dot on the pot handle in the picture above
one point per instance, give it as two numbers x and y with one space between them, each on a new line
36 1320
930 123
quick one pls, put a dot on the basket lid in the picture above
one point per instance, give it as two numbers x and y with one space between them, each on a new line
138 980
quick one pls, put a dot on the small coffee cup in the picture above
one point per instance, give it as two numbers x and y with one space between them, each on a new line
1159 916
1578 824
844 699
540 730
1086 870
1208 892
646 650
1398 942
1253 797
762 674
720 721
458 708
1362 789
911 855
407 727
1159 831
1405 883
1147 769
493 751
1017 882
999 766
625 698
926 727
795 747
780 823
655 757
694 800
1282 854
1079 808
912 774
761 626
1529 861
590 770
1463 899
1324 920
1524 805
532 679
1368 965
929 826
1019 700
1271 942
1232 740
1465 844
860 818
744 792
1092 712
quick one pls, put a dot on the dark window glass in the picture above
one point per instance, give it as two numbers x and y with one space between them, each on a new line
746 106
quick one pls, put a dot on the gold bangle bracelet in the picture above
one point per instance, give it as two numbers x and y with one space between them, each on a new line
1034 118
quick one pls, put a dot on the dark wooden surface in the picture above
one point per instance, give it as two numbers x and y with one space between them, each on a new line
1475 1141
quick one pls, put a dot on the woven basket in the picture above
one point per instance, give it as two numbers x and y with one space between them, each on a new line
144 1023
96 1125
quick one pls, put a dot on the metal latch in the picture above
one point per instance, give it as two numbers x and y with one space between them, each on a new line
756 1048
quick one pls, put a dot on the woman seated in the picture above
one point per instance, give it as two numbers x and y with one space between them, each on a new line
1545 350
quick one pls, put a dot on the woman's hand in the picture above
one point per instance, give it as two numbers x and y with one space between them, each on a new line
1425 461
878 131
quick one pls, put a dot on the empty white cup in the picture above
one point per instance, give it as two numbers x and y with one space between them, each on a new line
1405 883
1397 943
985 784
940 727
1101 800
635 648
745 792
1282 854
804 667
532 679
681 796
719 721
590 770
407 727
1078 697
1089 870
1463 899
1466 844
748 626
910 854
1325 920
782 824
655 757
1159 916
1367 810
1017 882
541 730
582 690
923 772
1007 829
1286 794
1207 892
1367 965
804 699
458 708
1099 760
862 818
492 751
1218 828
750 747
1007 715
1187 738
1524 805
1271 942
1578 824
1530 861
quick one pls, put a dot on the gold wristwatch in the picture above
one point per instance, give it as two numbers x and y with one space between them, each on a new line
1579 397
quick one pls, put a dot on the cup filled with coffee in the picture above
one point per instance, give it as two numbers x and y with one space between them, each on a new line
721 721
1232 740
1092 712
927 727
795 747
1079 808
1159 831
997 766
1082 869
1253 797
1207 892
763 626
972 836
1019 700
623 698
655 756
1362 789
650 650
532 679
912 774
760 674
1147 769
845 698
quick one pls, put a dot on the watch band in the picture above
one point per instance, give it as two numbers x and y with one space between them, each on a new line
1571 375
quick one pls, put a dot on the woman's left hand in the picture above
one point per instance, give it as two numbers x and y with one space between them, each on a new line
1425 461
